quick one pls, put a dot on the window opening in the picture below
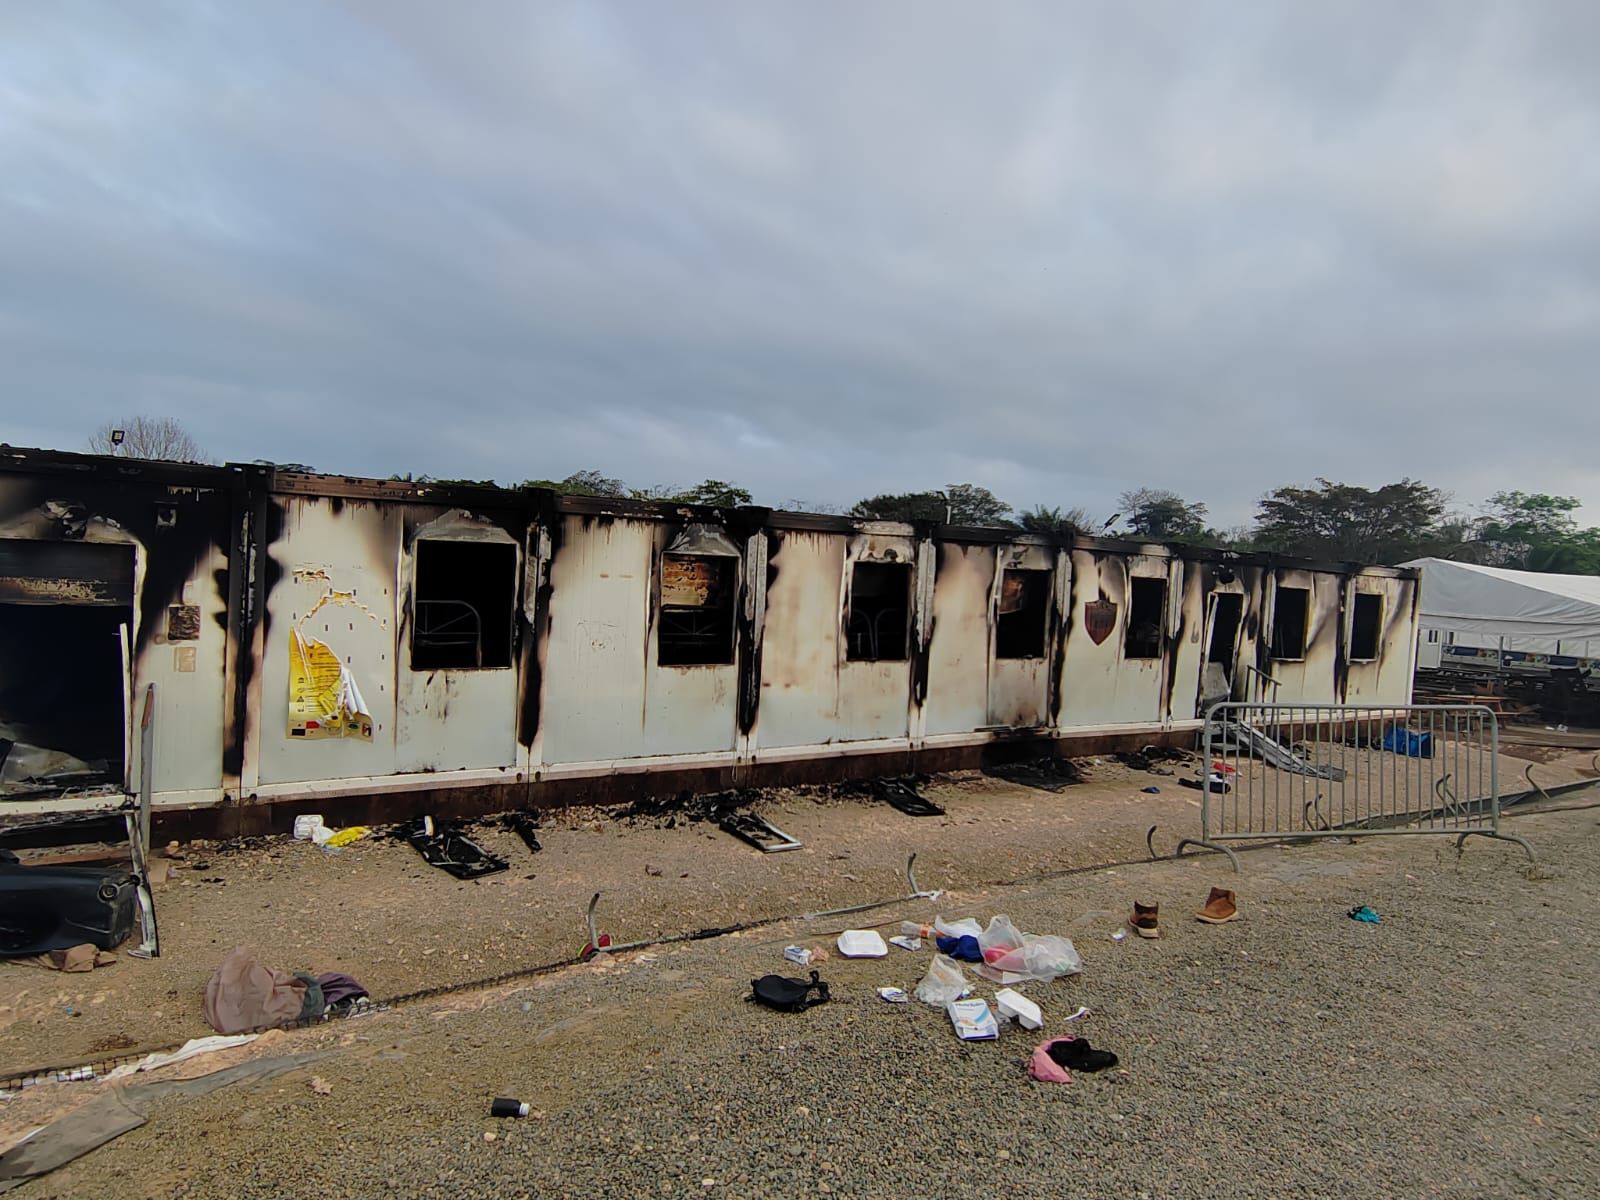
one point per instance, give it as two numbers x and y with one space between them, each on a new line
1289 611
1227 611
1365 623
463 604
1147 604
880 611
697 598
1020 624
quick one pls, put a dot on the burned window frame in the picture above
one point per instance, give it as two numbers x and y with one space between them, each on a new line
1039 634
1147 650
1273 641
883 568
723 629
1377 604
433 658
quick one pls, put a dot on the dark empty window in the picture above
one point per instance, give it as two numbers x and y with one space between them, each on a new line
1227 609
1365 623
697 598
1147 605
1289 622
1024 606
463 605
880 607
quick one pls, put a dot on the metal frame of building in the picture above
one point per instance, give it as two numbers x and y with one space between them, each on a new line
217 581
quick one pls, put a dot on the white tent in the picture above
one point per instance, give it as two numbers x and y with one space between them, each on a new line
1531 611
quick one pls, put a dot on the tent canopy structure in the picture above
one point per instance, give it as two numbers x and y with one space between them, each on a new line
1466 598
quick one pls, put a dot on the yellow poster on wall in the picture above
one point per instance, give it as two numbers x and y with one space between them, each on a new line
324 701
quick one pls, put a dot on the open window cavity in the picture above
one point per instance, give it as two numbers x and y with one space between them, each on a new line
1289 612
1024 610
1227 609
463 605
698 592
879 619
1366 622
1147 605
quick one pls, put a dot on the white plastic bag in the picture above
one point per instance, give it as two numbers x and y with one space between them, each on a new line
1042 957
1001 935
966 927
943 983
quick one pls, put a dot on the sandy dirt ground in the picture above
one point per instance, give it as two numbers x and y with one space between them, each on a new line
378 912
1291 1053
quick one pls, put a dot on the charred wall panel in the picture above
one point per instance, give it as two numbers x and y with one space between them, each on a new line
333 584
457 717
875 696
1102 685
692 709
800 648
1310 679
1019 683
959 651
594 678
1386 679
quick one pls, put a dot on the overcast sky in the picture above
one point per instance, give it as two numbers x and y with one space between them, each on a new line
824 249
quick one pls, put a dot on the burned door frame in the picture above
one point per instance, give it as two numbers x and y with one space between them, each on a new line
1234 589
85 589
1009 698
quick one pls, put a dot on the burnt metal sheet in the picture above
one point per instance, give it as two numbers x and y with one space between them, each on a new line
38 572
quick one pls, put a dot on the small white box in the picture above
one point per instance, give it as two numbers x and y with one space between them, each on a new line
307 824
1014 1006
973 1020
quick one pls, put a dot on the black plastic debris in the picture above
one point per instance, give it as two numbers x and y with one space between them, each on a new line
763 835
444 846
901 795
56 908
524 822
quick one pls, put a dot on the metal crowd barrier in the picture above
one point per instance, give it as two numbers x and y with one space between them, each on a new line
1326 771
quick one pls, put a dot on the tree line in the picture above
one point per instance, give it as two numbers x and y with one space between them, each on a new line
1529 531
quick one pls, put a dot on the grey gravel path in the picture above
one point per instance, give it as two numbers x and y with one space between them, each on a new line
1449 1052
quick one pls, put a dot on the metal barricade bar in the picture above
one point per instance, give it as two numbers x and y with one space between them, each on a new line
1341 771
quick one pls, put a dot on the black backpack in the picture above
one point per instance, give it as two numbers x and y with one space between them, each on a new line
788 995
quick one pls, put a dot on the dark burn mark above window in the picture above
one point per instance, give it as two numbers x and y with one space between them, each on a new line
1366 622
1147 603
1290 609
463 605
880 611
697 608
1023 610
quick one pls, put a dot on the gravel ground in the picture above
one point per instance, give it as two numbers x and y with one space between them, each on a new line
1447 1052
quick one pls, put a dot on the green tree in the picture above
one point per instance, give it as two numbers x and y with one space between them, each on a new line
1040 519
959 504
581 483
713 493
1349 523
1163 516
1534 531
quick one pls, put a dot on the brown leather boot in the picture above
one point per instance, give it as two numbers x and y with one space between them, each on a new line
1219 907
1143 919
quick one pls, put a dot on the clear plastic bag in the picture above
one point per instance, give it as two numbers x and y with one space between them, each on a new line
1042 957
966 927
943 983
1001 936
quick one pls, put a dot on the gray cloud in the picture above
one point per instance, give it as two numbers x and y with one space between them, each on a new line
825 249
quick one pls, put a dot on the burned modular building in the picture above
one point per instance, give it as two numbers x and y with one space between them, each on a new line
380 649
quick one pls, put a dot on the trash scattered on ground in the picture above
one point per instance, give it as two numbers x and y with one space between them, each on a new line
973 1020
758 832
1076 1054
1044 1068
1012 956
894 995
1145 920
71 960
906 943
862 943
1223 768
1083 1011
1220 906
962 949
915 930
443 845
1407 743
798 955
347 836
304 826
190 1049
244 995
902 795
1012 1005
504 1106
788 995
524 822
1213 783
1362 913
57 908
1149 758
1120 935
321 1086
943 983
1152 790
